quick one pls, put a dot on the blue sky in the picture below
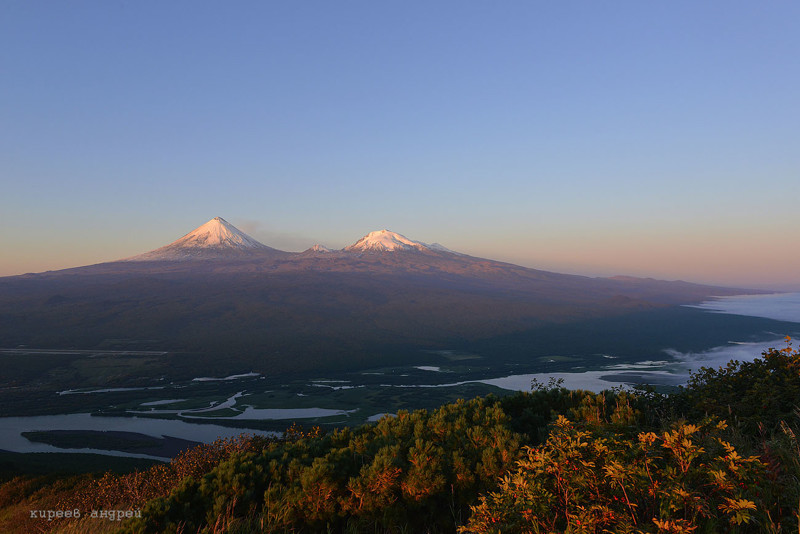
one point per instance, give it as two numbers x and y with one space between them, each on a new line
652 139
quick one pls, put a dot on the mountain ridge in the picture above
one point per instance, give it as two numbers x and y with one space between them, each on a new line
218 239
282 311
381 252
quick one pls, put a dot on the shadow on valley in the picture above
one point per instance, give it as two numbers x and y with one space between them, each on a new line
632 336
124 377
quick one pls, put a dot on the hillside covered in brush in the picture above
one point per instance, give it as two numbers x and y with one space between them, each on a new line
721 454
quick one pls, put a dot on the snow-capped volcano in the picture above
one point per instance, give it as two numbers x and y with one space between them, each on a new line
386 241
322 249
216 238
217 233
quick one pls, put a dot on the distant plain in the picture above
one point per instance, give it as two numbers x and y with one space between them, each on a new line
148 387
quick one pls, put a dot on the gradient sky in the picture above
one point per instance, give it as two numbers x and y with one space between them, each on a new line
645 138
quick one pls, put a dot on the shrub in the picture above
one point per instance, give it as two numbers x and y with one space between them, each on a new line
588 479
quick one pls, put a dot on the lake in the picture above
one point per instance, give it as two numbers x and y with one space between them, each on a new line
11 429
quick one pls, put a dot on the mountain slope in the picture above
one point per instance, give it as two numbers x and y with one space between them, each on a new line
287 311
215 239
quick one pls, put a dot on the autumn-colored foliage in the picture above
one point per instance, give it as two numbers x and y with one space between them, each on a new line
605 474
720 455
418 470
587 479
119 492
134 489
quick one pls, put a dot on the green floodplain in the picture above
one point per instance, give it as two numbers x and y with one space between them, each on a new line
118 381
720 455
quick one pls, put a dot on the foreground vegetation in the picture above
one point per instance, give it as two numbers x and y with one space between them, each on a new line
720 455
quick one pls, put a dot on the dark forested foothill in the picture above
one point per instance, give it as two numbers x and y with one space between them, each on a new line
720 455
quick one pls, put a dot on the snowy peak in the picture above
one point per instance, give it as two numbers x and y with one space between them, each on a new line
217 233
322 249
215 239
386 241
218 239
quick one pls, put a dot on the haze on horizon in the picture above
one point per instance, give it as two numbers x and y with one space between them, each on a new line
638 139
